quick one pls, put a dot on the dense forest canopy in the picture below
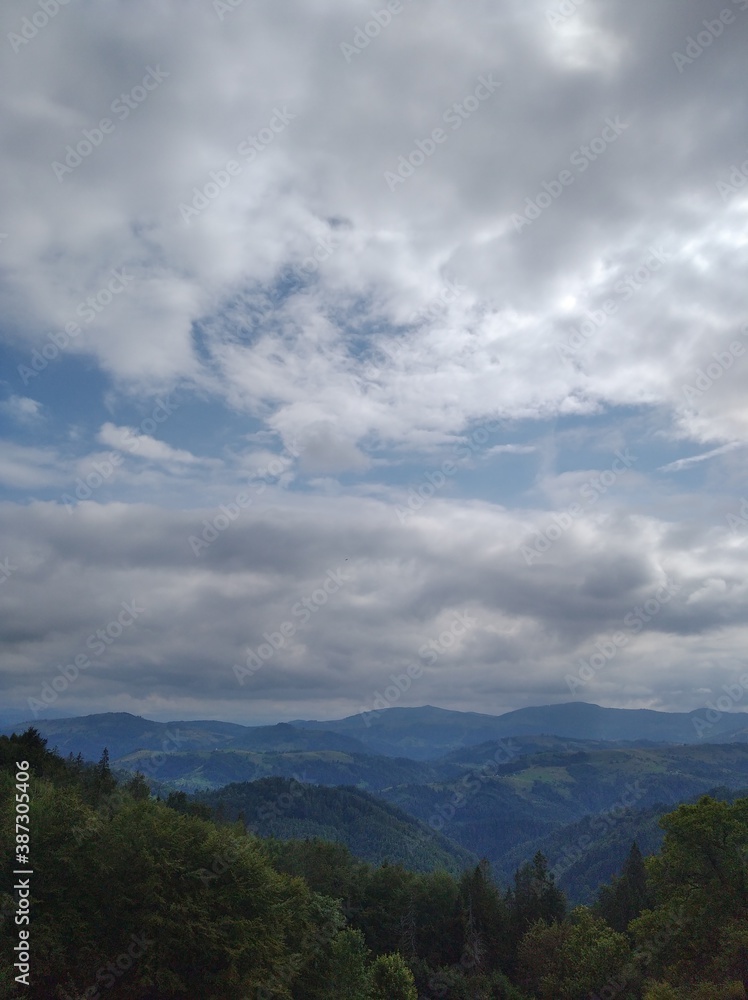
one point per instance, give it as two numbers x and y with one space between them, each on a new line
137 898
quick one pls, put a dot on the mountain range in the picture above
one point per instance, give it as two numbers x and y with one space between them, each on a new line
576 781
424 733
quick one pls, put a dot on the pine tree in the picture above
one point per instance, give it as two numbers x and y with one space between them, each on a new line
486 919
626 897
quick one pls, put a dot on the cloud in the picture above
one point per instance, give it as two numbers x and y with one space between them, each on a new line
398 589
128 439
23 410
28 467
686 463
511 449
566 266
120 208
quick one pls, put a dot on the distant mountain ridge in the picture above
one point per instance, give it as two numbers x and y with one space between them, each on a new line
428 732
424 733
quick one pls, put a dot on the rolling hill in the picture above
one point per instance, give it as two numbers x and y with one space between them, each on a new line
373 830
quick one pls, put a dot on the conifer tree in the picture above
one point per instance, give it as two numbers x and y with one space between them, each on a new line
626 897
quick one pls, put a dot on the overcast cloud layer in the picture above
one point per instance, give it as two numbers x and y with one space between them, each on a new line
342 341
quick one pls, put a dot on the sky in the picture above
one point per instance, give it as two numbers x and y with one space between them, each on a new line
372 355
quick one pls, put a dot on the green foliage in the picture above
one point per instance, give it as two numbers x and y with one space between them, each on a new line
206 910
702 991
624 899
348 976
697 929
391 979
533 898
566 961
487 920
372 829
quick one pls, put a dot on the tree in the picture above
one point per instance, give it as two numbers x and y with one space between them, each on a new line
570 960
697 930
391 979
104 782
486 919
534 897
348 974
137 787
627 896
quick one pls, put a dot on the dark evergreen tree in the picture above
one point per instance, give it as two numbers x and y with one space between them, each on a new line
533 897
626 897
486 918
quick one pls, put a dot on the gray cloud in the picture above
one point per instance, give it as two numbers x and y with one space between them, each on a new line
568 313
202 615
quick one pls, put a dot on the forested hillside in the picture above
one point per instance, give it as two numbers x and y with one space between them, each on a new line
142 899
371 828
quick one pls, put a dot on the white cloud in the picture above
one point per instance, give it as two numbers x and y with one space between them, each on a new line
686 463
22 409
129 440
120 207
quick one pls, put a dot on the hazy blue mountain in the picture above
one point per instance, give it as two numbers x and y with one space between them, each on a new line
123 733
425 733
